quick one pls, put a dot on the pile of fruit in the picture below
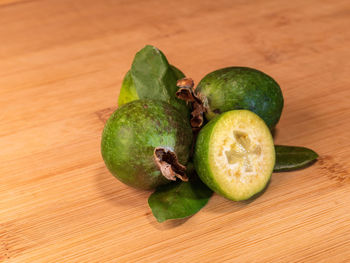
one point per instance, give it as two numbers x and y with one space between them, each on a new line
186 143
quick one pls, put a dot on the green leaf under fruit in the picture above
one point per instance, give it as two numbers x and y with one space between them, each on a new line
154 78
289 158
179 199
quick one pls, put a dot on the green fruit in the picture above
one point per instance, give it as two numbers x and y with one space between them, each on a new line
128 90
234 154
132 134
236 88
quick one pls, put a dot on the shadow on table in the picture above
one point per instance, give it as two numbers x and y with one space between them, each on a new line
112 190
120 195
169 224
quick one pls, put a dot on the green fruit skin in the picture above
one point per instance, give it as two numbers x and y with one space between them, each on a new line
236 88
133 132
128 91
201 156
201 160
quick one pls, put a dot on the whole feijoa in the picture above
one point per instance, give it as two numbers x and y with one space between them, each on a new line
134 132
236 88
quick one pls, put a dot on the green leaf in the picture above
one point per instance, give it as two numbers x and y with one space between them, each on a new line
154 78
289 158
179 199
128 90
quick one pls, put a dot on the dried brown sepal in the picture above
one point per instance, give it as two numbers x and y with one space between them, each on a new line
168 164
185 83
186 93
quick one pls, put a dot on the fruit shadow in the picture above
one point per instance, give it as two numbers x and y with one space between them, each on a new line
274 132
115 192
120 195
221 205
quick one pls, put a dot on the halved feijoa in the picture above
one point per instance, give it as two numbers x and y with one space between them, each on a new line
235 155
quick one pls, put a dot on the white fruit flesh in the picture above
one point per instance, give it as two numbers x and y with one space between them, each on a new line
242 154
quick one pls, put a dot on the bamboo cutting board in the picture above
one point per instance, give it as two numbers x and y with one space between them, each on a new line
61 67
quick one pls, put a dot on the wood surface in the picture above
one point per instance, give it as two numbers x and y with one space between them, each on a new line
61 67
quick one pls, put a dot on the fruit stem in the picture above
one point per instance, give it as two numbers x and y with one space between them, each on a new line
186 92
168 164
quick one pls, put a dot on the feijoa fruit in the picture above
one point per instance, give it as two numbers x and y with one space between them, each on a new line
146 143
233 88
235 155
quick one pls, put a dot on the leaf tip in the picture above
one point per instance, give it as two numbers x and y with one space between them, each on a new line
159 219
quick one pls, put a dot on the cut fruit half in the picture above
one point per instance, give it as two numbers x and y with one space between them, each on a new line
235 154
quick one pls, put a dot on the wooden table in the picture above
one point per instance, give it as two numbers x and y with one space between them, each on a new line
61 67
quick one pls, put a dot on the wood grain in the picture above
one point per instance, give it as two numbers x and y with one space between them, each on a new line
61 66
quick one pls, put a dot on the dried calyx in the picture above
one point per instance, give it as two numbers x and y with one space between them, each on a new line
186 92
168 164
